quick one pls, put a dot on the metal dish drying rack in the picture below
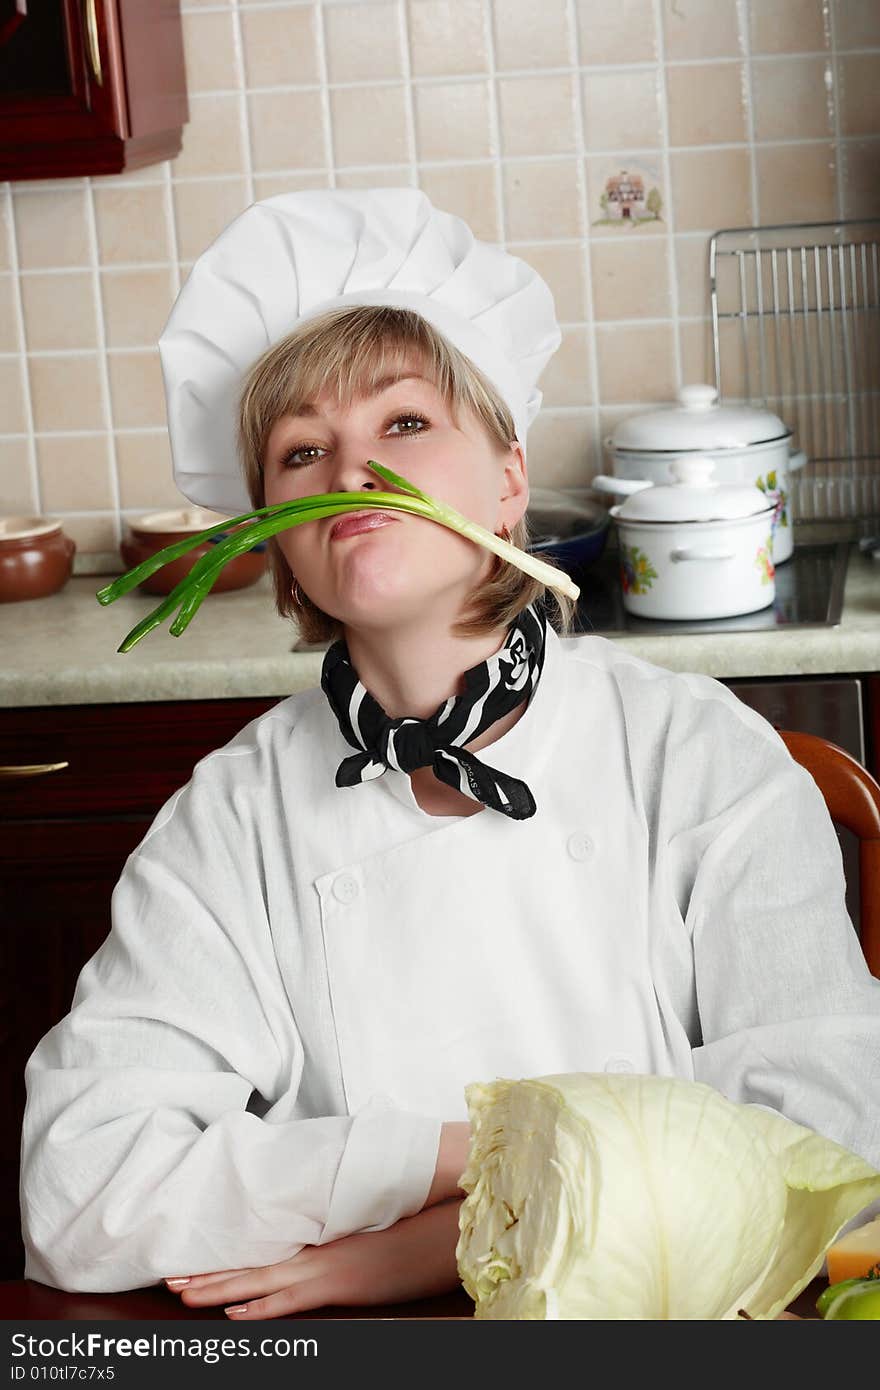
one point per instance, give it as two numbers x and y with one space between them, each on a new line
796 328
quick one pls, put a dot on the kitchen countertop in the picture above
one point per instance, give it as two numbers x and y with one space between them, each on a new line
61 650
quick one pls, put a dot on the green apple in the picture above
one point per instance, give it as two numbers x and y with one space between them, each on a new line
860 1300
828 1296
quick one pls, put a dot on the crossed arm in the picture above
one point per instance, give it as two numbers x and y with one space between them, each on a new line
414 1258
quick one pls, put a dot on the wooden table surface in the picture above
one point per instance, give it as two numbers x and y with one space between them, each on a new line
26 1300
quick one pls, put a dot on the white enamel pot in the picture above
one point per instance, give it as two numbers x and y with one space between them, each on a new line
695 548
748 445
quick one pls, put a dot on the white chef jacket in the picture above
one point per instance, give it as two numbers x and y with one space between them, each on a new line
301 979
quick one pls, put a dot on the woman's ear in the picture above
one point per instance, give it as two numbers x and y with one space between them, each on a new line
515 490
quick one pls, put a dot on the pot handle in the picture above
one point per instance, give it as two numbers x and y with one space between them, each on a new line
702 554
619 487
796 460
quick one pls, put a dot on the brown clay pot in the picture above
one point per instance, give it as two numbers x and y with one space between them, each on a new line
36 557
152 533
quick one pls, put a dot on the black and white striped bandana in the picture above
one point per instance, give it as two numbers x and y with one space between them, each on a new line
492 689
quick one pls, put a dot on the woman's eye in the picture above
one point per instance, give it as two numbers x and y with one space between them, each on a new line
409 419
293 458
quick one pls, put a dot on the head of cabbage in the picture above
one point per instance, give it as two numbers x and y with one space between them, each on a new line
644 1197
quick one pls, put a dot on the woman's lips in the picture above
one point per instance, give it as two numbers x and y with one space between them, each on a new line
353 522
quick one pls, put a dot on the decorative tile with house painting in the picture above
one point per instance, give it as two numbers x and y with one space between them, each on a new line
627 197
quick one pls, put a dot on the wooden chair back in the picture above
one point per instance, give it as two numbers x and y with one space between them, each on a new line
852 796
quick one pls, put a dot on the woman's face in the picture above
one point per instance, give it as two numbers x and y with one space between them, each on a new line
388 575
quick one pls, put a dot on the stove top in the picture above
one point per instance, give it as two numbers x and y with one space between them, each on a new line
809 593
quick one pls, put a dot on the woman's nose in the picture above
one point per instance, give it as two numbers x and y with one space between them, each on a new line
351 471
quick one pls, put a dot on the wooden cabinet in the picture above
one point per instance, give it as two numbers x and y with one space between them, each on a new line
64 838
89 86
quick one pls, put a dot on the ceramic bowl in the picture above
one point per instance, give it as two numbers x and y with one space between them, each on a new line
148 534
36 557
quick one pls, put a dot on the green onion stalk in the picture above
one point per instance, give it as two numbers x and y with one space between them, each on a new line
193 588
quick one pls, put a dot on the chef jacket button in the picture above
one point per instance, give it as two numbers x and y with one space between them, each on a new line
345 888
580 846
620 1064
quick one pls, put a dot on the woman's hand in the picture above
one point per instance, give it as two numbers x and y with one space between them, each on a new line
414 1258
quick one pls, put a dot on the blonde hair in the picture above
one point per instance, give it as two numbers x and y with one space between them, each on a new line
355 347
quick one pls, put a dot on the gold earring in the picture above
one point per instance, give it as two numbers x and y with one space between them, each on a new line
504 534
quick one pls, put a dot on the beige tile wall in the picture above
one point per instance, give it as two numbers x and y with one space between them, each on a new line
514 115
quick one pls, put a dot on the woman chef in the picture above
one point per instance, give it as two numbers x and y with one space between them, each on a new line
482 848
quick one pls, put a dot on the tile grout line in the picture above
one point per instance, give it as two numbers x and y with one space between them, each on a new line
615 152
141 349
176 283
743 19
551 70
444 79
625 238
409 103
585 239
243 110
324 84
666 165
174 263
495 140
471 79
24 370
103 359
839 152
168 182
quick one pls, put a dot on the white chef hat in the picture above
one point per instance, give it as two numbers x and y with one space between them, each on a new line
288 258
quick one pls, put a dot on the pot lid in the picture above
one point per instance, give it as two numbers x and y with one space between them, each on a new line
16 528
694 495
185 519
698 422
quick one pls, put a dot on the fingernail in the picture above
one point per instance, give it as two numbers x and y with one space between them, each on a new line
176 1283
235 1309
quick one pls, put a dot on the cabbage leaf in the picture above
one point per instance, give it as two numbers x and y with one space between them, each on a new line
614 1196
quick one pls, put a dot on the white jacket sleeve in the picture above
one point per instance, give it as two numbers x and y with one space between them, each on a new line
163 1133
788 1011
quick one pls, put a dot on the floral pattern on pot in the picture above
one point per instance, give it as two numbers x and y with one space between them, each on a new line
764 562
778 495
637 574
